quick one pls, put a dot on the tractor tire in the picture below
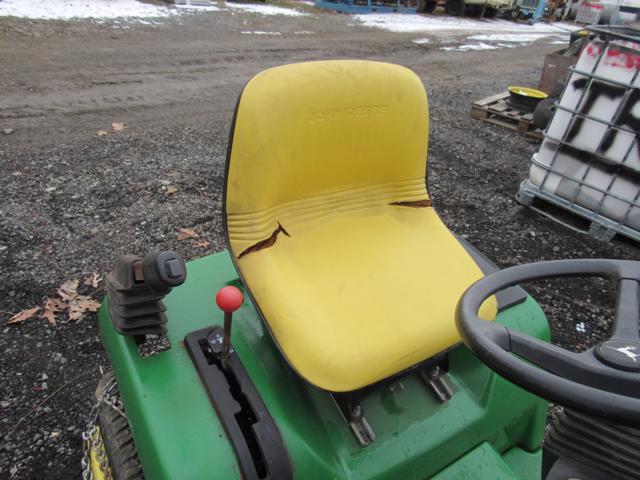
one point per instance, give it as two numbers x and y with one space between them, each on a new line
455 8
430 7
474 10
117 438
490 12
543 113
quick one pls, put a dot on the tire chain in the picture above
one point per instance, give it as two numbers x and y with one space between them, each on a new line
92 438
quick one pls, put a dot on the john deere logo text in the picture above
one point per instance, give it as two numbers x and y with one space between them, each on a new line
349 112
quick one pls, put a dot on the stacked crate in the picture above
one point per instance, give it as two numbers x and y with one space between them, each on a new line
589 160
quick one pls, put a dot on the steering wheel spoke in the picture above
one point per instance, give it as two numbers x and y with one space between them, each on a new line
499 334
545 355
627 317
577 367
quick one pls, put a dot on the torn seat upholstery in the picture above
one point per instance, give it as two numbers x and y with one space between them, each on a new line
330 225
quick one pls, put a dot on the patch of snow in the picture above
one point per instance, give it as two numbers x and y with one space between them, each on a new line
78 9
258 32
263 9
422 41
94 9
402 23
560 39
204 8
510 40
471 46
510 37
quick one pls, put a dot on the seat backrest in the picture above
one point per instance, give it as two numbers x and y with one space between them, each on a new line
307 136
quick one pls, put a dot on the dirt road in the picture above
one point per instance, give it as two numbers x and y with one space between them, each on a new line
72 201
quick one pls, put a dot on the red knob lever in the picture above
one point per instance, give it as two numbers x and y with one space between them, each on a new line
229 299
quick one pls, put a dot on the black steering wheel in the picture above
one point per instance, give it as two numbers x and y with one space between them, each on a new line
603 381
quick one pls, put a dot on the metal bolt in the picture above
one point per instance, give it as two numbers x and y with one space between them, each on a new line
356 412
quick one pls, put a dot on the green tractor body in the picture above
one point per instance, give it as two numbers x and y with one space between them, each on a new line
488 429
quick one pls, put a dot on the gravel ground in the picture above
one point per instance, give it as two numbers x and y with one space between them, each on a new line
73 200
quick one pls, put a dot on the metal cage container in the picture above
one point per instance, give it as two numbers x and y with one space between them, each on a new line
530 9
589 160
528 4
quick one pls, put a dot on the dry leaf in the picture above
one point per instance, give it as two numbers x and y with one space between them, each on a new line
75 313
89 304
186 233
23 315
101 133
69 290
118 127
52 307
93 280
80 305
202 244
171 190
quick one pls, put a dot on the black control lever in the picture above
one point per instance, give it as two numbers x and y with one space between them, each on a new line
136 287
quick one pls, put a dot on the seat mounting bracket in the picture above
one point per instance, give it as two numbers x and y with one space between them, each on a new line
434 378
353 415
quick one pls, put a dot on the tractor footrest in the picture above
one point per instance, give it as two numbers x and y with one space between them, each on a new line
610 448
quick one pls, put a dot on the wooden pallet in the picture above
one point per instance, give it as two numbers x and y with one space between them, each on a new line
496 110
574 217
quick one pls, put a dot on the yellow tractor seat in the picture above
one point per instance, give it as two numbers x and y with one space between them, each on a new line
330 225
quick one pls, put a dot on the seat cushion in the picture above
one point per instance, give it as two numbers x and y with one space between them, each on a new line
353 297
